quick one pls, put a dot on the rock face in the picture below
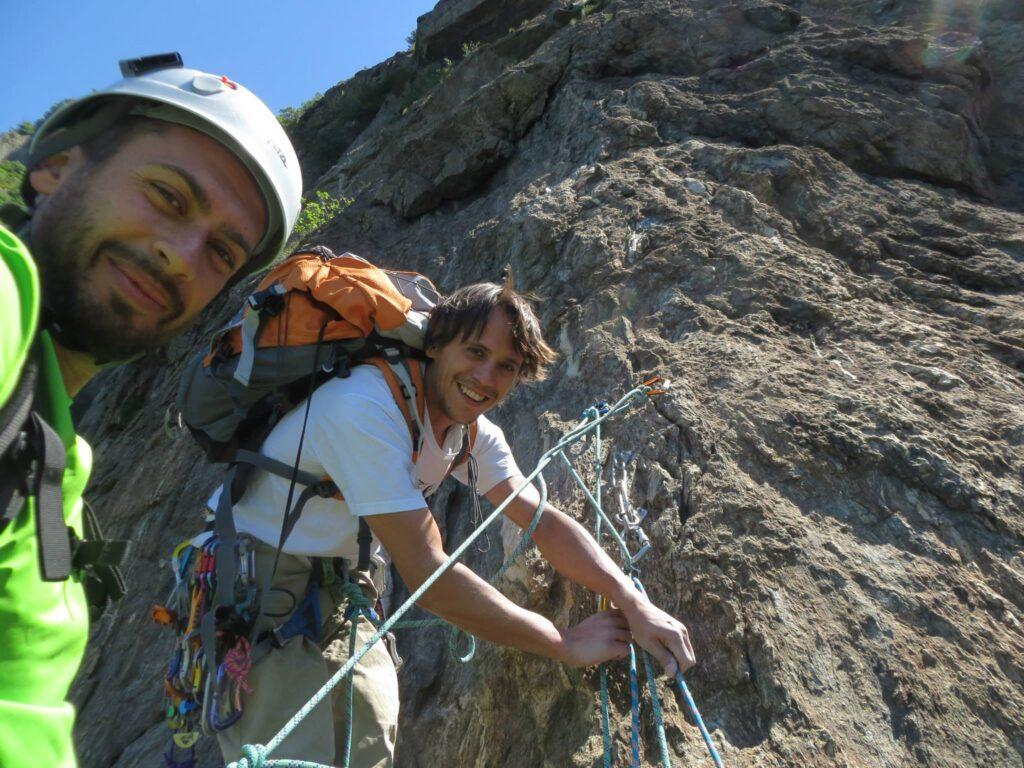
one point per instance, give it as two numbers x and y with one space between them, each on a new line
14 146
807 216
454 23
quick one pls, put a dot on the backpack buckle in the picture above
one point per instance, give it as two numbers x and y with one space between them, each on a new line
325 489
268 302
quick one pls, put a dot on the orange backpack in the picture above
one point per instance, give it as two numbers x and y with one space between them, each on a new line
310 319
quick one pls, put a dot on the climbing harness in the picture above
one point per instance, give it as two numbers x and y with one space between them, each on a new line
311 319
258 755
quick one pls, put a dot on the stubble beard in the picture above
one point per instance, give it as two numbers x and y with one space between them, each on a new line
65 249
437 394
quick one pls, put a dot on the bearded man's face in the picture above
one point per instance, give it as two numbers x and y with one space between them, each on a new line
132 248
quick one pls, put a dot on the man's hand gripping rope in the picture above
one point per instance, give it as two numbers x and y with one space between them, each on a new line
657 632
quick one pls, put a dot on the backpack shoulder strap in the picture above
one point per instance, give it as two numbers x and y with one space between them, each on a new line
405 380
13 418
32 457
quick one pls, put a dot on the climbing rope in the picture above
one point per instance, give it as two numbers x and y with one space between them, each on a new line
634 706
258 756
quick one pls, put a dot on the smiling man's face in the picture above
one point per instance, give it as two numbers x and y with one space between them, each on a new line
469 376
133 247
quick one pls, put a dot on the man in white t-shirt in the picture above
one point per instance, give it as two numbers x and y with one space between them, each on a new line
481 342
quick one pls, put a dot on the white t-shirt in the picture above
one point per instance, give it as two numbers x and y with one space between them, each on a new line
357 436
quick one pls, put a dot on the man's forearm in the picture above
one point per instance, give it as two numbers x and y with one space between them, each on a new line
572 552
567 545
467 601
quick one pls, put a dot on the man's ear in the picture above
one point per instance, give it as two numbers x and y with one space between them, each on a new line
431 351
49 173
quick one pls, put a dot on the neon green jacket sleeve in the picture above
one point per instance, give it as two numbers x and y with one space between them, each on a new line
43 625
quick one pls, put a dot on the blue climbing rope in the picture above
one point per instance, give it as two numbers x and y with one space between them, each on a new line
634 705
606 736
602 669
681 684
685 691
258 755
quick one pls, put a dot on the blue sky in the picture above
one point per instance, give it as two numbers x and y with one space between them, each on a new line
283 51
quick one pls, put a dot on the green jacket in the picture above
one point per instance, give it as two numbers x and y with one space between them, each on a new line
43 625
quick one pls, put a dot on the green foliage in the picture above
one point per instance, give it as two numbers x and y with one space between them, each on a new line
317 211
592 6
11 174
26 128
469 47
410 40
425 80
55 107
289 116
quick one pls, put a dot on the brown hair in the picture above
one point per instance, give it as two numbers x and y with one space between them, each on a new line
464 315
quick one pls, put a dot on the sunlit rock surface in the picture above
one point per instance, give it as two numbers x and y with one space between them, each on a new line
807 216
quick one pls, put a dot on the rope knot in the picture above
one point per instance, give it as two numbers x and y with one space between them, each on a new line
355 596
253 756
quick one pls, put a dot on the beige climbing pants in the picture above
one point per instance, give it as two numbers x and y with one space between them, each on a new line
286 678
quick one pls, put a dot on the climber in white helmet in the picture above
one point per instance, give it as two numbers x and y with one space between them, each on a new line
145 199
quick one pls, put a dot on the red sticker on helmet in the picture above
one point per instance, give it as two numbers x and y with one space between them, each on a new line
233 86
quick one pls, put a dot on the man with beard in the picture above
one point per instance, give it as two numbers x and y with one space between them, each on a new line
146 199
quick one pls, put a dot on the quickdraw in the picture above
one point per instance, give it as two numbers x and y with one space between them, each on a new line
204 696
629 517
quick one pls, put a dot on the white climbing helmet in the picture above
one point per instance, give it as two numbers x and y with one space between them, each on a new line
161 88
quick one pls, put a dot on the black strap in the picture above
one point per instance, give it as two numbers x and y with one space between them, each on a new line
274 467
291 517
464 450
14 467
236 482
96 562
15 412
54 540
32 463
32 459
364 539
323 489
224 527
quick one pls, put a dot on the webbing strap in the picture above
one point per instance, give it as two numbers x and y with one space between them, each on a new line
13 417
54 538
15 413
468 441
364 538
405 393
410 374
324 490
305 620
224 528
102 553
250 327
11 502
275 467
